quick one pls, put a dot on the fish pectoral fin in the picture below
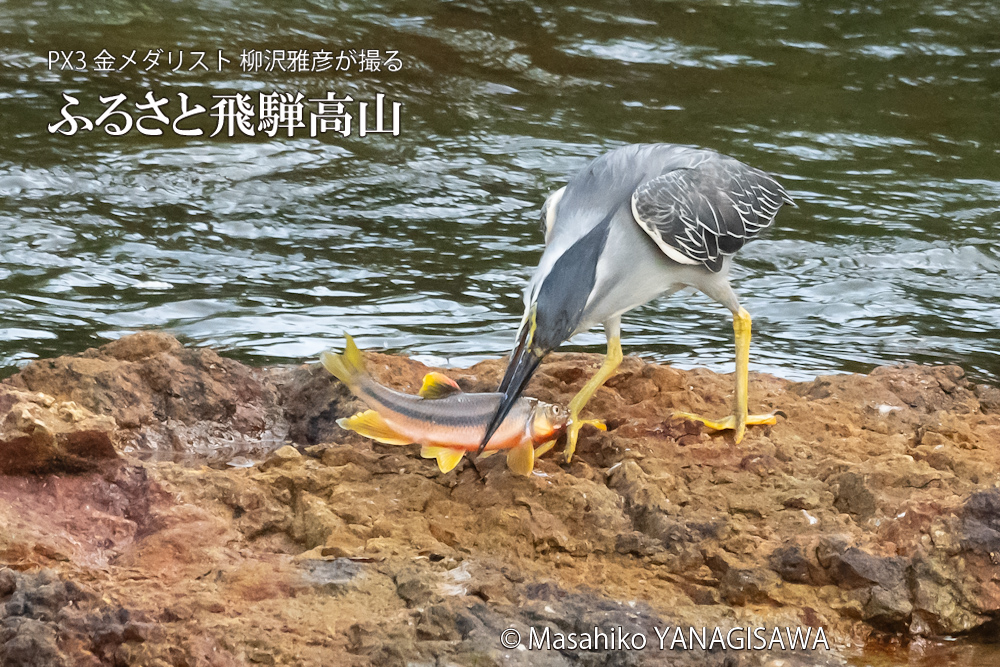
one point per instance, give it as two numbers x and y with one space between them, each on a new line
438 385
371 425
544 447
521 459
447 457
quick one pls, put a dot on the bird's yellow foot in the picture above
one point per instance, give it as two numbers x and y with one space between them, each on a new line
573 432
729 422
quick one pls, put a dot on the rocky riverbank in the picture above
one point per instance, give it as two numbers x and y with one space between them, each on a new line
137 529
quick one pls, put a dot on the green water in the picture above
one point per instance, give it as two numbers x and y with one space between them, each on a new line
882 119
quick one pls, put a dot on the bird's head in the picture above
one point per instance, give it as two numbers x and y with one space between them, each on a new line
524 360
557 299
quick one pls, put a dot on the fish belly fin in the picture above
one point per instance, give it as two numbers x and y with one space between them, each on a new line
488 453
521 459
447 457
371 425
347 367
438 385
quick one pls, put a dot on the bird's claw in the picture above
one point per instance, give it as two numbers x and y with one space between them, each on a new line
729 423
573 433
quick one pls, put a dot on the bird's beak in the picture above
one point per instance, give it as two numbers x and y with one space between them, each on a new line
523 362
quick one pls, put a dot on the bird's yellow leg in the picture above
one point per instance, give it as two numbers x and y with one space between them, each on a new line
740 417
607 369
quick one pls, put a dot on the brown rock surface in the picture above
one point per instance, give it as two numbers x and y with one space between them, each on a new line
871 511
40 434
164 397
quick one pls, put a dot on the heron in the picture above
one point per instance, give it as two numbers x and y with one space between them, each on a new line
638 222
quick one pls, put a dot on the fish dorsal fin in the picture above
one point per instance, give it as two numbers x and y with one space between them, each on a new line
371 425
521 459
447 458
438 385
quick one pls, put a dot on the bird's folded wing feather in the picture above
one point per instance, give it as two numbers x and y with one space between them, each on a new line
697 215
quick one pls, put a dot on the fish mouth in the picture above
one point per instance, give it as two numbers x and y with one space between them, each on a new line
557 430
523 362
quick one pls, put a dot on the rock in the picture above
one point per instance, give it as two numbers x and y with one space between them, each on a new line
981 524
887 608
855 568
414 586
39 434
50 621
790 563
742 586
870 511
8 582
164 396
25 642
884 591
989 397
281 456
648 503
853 496
331 575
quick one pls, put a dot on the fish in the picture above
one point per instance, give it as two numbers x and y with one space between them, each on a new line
444 420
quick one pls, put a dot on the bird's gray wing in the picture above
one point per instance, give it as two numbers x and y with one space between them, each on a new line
700 214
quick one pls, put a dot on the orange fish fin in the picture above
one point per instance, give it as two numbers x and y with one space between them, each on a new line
371 425
488 453
447 458
544 447
521 459
438 385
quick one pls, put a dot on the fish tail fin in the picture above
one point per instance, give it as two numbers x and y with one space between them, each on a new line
348 367
371 425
